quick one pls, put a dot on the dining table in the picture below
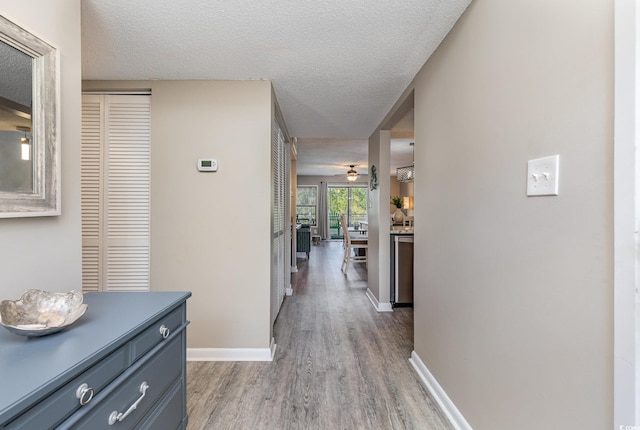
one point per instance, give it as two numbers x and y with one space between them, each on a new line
359 238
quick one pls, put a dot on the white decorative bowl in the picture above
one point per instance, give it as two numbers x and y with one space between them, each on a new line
38 313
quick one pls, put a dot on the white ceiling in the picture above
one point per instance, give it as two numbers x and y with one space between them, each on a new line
337 66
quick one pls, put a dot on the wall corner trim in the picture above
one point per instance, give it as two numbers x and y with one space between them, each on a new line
452 413
380 307
232 354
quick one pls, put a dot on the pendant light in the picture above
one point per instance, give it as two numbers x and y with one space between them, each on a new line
352 175
407 173
26 148
25 144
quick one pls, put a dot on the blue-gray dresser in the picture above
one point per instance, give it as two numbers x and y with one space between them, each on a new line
121 366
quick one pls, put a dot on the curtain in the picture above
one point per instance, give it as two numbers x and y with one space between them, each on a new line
323 212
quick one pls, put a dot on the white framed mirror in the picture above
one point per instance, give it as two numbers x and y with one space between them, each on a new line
29 124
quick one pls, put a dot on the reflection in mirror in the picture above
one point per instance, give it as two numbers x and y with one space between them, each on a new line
29 123
16 169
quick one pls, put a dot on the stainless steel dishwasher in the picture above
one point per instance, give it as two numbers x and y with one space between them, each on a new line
401 293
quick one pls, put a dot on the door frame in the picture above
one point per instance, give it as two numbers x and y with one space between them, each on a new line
626 212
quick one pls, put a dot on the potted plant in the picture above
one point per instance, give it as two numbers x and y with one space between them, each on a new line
398 216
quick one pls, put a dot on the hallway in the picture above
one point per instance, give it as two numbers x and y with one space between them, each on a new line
338 364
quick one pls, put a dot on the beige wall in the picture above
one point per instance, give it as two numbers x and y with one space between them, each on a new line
210 232
45 252
378 254
513 294
404 189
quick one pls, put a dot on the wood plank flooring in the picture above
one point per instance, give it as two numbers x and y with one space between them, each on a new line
339 364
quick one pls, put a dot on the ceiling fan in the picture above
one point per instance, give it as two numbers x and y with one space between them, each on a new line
351 174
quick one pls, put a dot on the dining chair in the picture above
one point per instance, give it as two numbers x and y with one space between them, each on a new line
350 245
303 239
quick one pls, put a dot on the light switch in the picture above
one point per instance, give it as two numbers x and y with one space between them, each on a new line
542 176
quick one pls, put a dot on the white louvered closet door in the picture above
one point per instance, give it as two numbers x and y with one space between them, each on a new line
279 263
115 181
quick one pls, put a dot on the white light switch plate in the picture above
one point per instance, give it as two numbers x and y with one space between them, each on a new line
542 176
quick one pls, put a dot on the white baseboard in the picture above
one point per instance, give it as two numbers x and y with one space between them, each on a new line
380 307
232 354
437 392
288 291
294 269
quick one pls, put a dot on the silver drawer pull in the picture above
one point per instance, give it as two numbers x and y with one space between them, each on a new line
164 331
84 393
117 417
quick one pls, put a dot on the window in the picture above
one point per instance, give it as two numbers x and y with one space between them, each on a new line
306 204
350 201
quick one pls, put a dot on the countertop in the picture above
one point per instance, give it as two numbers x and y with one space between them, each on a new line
401 232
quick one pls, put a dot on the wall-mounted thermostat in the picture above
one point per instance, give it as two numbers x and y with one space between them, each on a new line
207 165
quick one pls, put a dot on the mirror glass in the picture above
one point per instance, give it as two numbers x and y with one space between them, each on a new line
16 162
29 124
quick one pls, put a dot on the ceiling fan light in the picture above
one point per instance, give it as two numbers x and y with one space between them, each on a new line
352 175
25 149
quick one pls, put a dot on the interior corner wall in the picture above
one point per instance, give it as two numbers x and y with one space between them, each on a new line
46 252
626 212
378 252
514 294
210 232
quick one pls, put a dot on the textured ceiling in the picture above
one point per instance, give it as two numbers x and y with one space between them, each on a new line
331 156
337 66
15 69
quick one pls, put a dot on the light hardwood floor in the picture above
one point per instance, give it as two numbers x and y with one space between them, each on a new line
339 364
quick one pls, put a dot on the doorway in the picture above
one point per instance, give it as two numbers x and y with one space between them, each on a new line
350 201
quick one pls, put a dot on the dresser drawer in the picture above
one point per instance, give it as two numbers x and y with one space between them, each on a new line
63 402
158 372
169 414
157 332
